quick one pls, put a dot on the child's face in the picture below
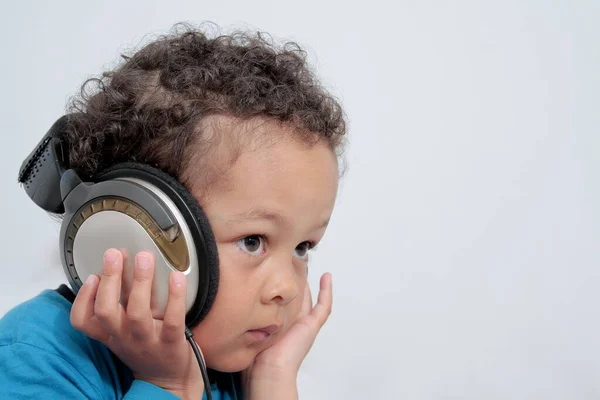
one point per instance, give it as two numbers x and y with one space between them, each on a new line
275 202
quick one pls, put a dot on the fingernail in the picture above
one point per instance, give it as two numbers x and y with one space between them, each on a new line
90 280
143 262
178 279
110 256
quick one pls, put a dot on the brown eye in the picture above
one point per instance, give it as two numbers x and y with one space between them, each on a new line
302 250
253 244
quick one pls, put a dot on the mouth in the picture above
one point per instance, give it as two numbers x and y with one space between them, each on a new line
264 333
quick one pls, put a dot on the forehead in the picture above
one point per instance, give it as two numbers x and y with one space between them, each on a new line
279 173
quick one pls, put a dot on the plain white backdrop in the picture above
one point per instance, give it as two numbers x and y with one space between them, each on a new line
465 248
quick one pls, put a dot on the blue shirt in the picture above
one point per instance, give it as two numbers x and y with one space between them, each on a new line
43 357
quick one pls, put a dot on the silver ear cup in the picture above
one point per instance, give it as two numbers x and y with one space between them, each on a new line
106 228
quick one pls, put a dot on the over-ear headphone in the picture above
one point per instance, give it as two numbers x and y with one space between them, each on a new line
129 206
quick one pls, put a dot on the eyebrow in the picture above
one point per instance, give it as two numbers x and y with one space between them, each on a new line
262 214
259 213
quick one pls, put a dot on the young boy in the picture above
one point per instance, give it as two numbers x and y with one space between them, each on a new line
247 129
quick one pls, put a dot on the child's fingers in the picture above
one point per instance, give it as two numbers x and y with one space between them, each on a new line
82 312
107 307
307 304
174 318
125 283
139 313
322 310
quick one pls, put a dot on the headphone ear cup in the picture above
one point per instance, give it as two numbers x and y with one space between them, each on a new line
211 260
197 222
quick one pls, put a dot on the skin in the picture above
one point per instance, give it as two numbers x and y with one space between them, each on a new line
275 205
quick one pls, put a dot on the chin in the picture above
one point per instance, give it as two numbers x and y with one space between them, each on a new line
231 362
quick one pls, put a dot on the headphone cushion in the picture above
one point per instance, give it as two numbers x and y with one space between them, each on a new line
212 260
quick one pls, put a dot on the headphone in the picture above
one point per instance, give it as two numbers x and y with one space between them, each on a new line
129 206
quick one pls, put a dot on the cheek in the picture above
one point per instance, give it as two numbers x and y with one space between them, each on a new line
235 300
230 316
238 287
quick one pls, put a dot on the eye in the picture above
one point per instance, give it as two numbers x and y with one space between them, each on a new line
302 249
253 244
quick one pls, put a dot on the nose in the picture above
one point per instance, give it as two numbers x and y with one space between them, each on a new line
282 285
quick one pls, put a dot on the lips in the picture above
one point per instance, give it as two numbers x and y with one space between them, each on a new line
263 334
268 330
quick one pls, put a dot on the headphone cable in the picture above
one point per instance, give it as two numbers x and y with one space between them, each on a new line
189 336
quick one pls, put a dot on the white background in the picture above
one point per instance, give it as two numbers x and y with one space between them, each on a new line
465 248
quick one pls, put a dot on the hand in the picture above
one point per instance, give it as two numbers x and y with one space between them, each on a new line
156 351
282 360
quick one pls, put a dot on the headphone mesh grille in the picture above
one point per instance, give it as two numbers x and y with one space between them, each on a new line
34 162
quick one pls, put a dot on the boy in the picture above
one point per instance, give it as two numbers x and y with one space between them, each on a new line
247 129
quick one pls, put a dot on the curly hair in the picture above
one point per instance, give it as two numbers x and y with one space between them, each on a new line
153 106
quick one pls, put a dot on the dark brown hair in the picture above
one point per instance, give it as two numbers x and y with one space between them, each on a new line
151 107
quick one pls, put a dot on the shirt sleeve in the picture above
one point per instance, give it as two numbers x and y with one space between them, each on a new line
29 372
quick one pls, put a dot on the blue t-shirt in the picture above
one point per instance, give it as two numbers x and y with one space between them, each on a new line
43 357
